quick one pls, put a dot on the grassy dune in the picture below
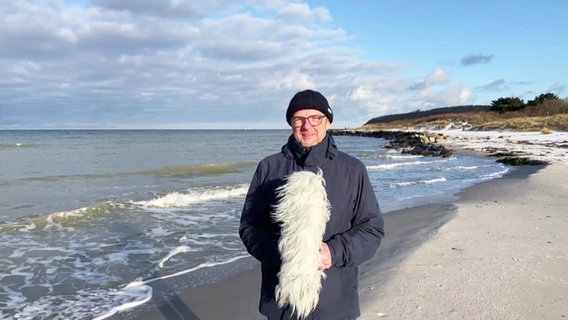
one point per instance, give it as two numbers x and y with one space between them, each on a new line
548 117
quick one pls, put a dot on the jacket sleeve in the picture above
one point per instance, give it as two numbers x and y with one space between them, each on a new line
258 234
355 246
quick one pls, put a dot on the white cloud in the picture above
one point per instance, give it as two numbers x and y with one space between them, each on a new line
127 63
163 8
294 80
451 96
438 76
362 93
302 12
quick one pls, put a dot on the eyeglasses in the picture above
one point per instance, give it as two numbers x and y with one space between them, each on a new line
314 120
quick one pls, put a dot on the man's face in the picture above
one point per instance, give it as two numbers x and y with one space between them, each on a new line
309 127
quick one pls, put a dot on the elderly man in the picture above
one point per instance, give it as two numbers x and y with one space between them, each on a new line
353 228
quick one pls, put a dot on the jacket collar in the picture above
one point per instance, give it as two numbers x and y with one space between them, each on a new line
292 149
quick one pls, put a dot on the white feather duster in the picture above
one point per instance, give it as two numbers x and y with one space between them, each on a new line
303 211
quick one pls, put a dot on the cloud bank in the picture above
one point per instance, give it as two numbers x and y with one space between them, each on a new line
144 63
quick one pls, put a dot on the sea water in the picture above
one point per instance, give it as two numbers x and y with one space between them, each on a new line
92 221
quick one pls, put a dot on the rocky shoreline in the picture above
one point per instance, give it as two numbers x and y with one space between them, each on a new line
407 142
432 144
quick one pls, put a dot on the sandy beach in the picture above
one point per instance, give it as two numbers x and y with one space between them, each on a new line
497 252
503 255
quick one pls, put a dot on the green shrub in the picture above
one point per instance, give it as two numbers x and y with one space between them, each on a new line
509 104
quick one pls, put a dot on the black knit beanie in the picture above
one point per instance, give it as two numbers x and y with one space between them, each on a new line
308 99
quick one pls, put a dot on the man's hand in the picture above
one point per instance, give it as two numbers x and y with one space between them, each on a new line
325 257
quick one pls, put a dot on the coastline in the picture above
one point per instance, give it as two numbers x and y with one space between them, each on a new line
430 264
502 257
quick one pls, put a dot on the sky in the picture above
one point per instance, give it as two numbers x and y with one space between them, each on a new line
177 64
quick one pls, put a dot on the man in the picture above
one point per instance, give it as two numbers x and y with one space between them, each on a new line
355 227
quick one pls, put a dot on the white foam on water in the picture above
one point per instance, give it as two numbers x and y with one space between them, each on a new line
178 199
395 165
172 253
413 183
136 289
399 156
434 180
463 168
201 266
160 232
122 256
387 166
497 174
143 291
61 220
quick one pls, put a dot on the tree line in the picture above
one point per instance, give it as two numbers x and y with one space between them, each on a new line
509 104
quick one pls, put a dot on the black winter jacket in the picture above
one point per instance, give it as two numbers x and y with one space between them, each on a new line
353 233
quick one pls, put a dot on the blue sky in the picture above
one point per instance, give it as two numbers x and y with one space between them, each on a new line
236 64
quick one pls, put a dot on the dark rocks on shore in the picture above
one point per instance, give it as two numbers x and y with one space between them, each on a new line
521 161
408 142
513 158
426 144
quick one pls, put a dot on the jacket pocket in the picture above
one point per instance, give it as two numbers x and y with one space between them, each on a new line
339 298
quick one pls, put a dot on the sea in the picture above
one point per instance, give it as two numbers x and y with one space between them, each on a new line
91 221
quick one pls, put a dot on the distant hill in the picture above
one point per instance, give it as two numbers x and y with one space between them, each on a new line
549 116
428 113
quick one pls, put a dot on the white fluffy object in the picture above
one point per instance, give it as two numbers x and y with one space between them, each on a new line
303 211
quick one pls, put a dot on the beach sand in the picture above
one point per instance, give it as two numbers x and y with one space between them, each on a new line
497 252
504 256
